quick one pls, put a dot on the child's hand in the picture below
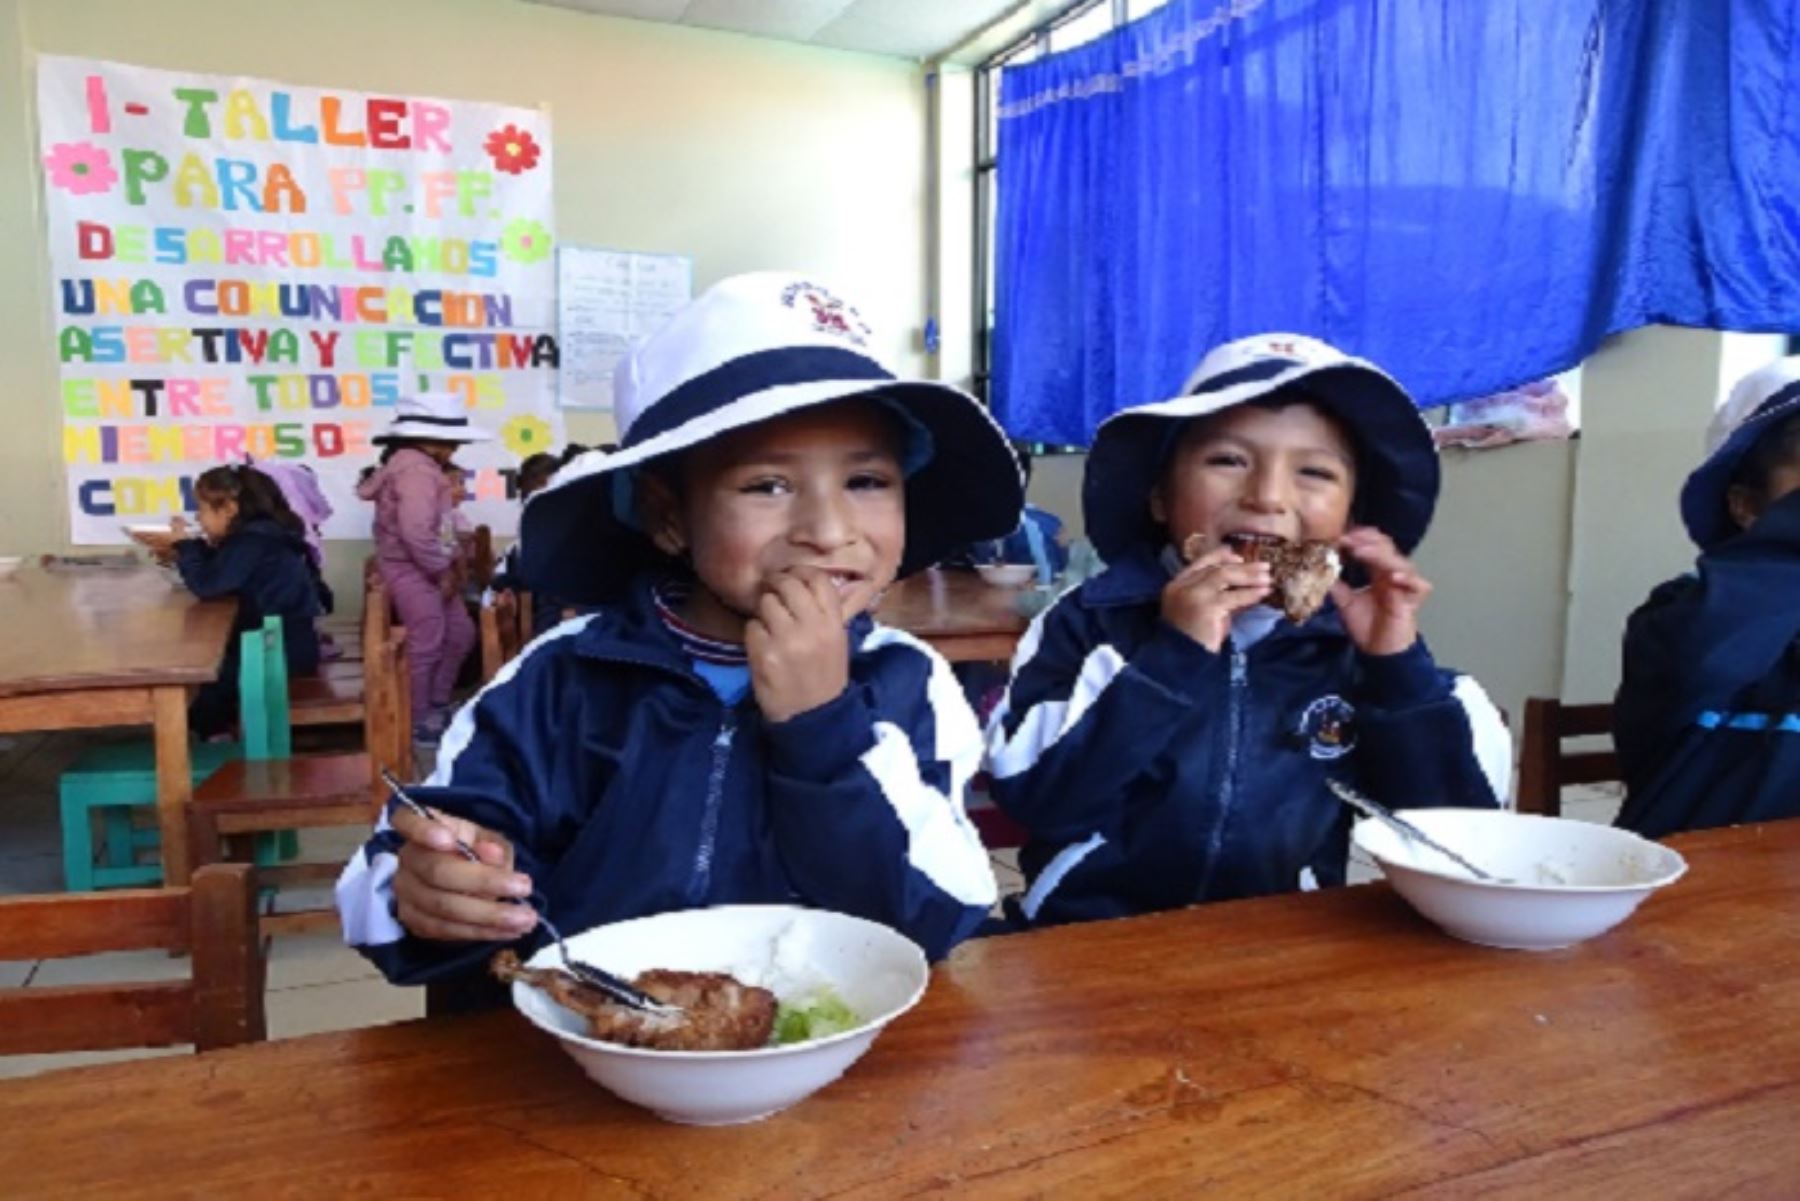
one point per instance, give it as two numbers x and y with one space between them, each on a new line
1383 618
178 528
799 652
160 546
1202 598
158 542
439 894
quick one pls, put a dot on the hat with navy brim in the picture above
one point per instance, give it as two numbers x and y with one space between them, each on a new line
1397 462
432 417
750 349
1758 403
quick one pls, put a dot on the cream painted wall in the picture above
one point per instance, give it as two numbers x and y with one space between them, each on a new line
1498 559
743 153
1056 486
1741 354
1647 397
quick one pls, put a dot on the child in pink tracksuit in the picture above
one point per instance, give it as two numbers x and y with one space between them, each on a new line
416 550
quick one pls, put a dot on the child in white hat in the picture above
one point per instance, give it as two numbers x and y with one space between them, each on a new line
727 724
1707 717
416 547
1169 731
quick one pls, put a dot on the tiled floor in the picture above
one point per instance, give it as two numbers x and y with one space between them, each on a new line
315 983
1006 871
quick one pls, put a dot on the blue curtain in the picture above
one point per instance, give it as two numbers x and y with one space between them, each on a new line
1472 193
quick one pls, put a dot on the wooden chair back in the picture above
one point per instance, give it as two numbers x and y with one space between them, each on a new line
499 624
387 731
1545 767
221 1005
378 616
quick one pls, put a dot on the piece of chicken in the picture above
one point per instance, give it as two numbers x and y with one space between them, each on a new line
1303 571
721 1013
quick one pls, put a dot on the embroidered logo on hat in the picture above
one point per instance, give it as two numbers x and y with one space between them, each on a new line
830 315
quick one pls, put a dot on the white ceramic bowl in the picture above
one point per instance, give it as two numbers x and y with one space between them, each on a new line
10 564
1007 575
1573 879
879 973
138 530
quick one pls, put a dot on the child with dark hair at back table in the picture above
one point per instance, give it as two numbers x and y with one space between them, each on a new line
252 546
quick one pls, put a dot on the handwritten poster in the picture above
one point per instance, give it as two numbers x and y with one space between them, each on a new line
607 301
247 267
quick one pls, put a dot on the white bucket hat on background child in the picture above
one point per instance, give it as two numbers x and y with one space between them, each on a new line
749 349
1758 403
1397 461
432 417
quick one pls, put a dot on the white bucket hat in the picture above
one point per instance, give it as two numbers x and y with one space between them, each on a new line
749 349
1758 403
1397 462
432 417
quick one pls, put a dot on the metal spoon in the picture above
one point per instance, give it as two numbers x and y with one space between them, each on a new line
1406 829
613 986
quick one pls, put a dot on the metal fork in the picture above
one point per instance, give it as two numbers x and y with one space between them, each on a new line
613 986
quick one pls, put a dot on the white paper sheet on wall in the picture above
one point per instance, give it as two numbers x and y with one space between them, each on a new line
606 301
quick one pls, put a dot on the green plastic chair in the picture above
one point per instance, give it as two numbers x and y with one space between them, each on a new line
107 785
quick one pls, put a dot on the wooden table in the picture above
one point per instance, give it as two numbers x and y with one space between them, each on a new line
80 649
957 612
1328 1045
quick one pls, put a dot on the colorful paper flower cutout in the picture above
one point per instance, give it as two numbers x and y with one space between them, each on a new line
513 150
525 241
526 435
80 168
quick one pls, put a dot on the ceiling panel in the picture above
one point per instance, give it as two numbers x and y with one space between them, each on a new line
907 28
638 10
913 29
786 20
